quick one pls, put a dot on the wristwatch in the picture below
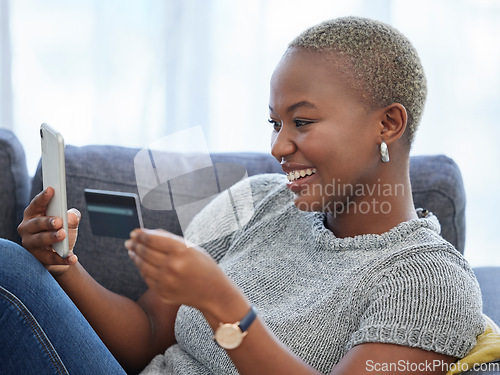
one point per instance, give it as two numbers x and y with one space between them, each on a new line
230 335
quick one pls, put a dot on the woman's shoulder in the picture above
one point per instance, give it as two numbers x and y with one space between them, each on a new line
268 184
268 192
423 294
426 241
422 260
418 245
234 207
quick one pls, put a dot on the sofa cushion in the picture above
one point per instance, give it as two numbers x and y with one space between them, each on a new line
489 280
14 186
112 168
437 185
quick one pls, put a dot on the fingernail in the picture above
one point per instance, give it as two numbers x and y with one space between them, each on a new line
133 234
77 213
131 254
128 243
53 223
57 234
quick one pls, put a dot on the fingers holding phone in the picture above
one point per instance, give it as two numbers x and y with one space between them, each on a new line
39 232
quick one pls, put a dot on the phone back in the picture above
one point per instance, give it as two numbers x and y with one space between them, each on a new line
54 175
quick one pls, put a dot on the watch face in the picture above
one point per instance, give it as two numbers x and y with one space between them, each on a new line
228 336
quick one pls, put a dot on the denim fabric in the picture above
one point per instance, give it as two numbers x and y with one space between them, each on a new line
42 331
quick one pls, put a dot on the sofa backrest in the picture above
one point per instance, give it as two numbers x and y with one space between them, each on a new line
14 184
436 183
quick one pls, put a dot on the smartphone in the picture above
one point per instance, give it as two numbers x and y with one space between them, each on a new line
54 175
113 213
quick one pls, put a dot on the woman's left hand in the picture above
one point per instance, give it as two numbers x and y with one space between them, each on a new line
179 274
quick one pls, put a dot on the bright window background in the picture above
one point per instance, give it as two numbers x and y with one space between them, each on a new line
130 72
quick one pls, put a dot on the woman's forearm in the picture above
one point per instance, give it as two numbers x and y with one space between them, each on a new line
260 351
129 329
189 276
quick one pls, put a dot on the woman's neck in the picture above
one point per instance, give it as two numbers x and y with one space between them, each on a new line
383 206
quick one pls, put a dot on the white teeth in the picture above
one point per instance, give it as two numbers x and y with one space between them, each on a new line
294 175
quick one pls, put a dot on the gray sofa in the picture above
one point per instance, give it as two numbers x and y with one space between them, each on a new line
436 185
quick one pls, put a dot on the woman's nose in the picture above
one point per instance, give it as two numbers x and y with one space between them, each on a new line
282 144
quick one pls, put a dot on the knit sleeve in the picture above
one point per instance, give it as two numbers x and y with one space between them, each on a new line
215 225
427 300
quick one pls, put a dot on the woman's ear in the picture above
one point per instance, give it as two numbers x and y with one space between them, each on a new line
393 122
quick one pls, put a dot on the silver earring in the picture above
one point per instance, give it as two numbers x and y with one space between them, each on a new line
384 152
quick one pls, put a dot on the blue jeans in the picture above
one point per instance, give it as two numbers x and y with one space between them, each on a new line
41 330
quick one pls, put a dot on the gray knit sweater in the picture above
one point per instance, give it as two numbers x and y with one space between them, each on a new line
321 295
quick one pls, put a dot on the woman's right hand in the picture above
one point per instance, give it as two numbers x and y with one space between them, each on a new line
39 232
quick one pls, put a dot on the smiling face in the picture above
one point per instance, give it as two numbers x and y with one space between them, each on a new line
324 134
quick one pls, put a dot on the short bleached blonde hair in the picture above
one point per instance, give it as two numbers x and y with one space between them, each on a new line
382 63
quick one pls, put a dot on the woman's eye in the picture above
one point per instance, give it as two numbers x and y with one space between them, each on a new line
299 123
276 124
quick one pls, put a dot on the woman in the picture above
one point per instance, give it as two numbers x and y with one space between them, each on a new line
334 273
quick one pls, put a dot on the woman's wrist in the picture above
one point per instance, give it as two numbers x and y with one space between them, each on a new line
63 274
229 306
